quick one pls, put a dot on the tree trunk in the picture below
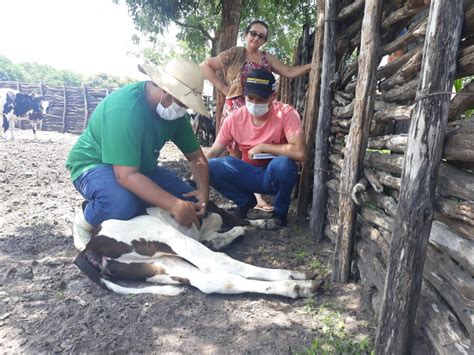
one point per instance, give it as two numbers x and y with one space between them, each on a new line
411 229
226 38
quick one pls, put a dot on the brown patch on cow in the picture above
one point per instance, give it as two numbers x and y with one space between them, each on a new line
229 220
181 280
109 247
150 248
133 271
317 286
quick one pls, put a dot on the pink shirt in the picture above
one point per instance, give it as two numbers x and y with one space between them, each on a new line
282 122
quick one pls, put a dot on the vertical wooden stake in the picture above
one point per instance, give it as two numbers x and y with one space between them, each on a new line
318 211
414 216
357 139
64 108
42 95
86 106
310 115
18 88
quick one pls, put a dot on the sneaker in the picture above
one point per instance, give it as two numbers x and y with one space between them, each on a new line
81 231
242 211
280 221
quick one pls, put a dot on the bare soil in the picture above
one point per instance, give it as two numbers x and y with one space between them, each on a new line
48 306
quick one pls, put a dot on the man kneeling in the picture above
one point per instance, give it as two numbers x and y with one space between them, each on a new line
263 125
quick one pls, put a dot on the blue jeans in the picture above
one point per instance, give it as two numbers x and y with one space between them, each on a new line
107 199
238 180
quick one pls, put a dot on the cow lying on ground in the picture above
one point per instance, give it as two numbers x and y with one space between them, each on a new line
154 248
204 129
15 106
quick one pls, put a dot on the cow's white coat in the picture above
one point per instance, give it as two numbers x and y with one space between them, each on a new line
209 271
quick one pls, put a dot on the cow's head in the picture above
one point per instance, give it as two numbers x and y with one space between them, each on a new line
40 107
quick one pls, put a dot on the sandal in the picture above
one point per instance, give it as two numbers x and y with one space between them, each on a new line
264 208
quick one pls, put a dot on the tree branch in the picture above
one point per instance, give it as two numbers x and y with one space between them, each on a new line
198 27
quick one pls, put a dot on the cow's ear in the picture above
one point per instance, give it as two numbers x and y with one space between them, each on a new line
34 95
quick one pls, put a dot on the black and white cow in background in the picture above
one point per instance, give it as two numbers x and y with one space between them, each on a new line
154 248
203 128
15 106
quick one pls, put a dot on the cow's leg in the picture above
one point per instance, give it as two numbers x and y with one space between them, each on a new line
5 126
209 233
34 126
179 270
12 128
218 241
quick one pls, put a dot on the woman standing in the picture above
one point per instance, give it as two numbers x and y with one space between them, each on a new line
236 63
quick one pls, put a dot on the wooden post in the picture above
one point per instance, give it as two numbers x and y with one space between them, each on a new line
412 225
318 211
18 88
64 108
310 116
299 82
357 139
42 95
86 106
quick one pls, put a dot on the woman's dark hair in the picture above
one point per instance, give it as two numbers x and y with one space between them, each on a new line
256 22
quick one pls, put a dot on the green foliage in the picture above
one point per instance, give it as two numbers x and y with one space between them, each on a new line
301 254
160 53
36 73
319 268
285 19
196 20
9 70
104 80
199 22
332 337
459 84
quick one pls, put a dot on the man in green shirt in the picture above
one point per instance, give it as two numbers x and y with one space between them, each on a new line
114 162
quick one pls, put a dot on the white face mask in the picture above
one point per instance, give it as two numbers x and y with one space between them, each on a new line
170 113
257 110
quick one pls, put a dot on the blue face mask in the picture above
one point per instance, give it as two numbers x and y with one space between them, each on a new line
257 110
170 113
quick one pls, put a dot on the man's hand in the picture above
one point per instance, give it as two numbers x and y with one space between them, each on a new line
202 198
184 212
259 148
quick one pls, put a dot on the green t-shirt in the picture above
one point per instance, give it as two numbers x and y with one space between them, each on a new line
124 131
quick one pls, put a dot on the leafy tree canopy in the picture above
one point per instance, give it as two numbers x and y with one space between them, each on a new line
199 22
35 73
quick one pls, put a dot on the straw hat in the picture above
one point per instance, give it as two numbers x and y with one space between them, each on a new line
183 79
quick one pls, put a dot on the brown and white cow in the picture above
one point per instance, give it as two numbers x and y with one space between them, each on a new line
154 248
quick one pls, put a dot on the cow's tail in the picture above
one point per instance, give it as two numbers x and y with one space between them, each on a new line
94 273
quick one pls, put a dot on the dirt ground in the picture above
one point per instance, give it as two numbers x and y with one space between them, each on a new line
47 305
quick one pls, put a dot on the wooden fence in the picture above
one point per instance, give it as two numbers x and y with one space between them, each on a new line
446 305
70 109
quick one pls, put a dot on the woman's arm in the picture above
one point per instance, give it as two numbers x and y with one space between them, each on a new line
209 69
284 70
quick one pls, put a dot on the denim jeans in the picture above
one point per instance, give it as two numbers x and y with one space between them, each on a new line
238 180
107 199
